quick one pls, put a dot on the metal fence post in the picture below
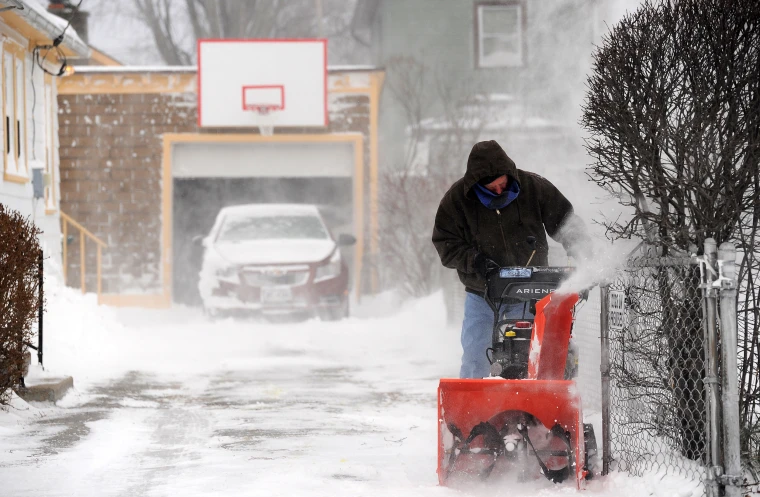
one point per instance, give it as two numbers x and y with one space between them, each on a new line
711 381
605 370
729 378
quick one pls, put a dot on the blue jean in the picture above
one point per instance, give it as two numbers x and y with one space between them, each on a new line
477 334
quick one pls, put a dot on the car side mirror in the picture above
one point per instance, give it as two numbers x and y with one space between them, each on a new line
200 241
345 240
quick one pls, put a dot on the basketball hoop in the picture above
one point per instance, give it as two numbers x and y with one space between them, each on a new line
263 110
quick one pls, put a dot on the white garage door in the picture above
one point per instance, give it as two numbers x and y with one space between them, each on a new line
272 160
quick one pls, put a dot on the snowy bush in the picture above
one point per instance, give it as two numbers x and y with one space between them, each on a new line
19 297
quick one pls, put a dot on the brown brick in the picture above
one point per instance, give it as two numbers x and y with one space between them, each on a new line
73 130
144 174
108 206
77 152
131 152
82 163
134 98
145 108
77 174
99 197
122 196
121 173
103 109
135 140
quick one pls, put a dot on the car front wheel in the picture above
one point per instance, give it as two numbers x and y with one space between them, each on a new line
336 313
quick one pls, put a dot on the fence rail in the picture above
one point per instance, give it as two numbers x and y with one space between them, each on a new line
84 234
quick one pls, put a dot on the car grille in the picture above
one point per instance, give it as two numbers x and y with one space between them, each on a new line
275 276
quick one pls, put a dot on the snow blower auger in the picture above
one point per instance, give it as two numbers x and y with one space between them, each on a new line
526 418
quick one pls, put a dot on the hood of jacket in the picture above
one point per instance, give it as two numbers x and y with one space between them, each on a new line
487 158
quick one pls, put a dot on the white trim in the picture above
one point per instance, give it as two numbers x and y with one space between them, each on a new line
263 160
21 115
9 113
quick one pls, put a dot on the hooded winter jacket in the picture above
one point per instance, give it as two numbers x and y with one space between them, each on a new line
464 227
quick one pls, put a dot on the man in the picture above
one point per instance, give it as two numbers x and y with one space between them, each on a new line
483 222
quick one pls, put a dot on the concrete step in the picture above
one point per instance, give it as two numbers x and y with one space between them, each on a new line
46 390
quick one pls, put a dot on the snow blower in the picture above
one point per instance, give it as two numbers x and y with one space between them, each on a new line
526 418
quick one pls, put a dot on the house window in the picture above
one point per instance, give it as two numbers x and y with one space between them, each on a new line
500 35
14 113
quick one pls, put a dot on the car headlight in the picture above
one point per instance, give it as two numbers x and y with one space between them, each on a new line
331 269
229 273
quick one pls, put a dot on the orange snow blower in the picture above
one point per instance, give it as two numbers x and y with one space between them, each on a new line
526 418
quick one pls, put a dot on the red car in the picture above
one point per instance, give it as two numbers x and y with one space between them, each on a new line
274 259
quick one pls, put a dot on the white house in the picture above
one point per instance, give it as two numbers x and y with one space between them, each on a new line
30 67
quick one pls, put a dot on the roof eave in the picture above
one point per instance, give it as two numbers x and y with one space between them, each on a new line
72 45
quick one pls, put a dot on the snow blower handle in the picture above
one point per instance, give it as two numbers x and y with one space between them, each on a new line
532 242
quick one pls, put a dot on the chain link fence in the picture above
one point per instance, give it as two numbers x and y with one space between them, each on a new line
656 368
669 382
668 385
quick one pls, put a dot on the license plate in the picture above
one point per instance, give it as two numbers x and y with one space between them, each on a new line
276 294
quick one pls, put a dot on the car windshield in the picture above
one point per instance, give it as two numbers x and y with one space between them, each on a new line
240 229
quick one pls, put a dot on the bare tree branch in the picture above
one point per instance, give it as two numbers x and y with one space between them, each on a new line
176 24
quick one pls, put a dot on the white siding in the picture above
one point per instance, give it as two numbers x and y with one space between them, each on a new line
20 196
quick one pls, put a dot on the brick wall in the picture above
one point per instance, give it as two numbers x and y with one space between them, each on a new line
111 150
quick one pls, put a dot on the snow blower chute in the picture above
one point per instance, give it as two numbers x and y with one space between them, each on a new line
526 418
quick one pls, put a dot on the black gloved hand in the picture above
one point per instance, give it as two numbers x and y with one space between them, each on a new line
483 265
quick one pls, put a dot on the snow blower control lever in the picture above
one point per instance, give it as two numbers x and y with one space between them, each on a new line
532 242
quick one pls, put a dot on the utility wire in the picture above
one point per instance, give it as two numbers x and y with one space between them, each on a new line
55 46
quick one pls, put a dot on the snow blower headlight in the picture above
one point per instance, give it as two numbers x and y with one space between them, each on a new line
329 270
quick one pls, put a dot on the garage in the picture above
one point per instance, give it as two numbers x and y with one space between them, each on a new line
211 172
119 180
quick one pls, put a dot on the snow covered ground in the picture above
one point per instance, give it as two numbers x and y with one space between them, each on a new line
169 403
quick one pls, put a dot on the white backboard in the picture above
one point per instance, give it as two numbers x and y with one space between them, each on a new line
287 79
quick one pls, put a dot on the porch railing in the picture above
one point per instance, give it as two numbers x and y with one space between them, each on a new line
84 233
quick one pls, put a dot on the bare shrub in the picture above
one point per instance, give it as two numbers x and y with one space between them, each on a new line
435 156
673 110
19 297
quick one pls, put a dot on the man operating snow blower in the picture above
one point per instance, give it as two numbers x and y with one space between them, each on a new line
526 418
498 216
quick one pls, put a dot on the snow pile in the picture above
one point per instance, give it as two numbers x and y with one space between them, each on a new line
16 414
94 343
82 339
